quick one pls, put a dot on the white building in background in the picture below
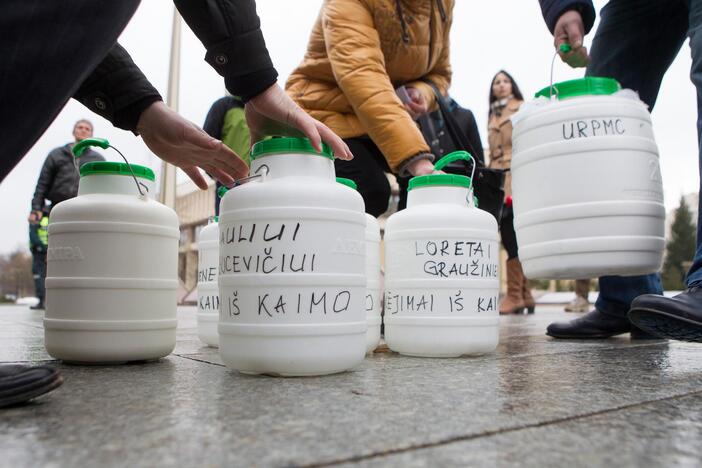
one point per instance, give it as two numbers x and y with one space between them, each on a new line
194 208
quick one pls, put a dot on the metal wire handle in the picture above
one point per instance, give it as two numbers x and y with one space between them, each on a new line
563 48
83 145
136 181
224 189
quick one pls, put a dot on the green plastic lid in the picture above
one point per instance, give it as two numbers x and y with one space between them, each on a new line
216 219
451 180
347 182
591 85
115 168
288 145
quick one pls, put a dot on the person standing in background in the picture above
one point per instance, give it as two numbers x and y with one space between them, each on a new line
58 181
505 100
38 243
59 176
581 302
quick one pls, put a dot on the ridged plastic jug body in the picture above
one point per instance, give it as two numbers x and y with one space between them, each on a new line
587 189
112 274
374 294
292 270
207 288
441 276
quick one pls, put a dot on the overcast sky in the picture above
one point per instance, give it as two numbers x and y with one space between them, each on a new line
487 35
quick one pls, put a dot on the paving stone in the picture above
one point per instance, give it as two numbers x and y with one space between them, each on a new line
663 433
188 409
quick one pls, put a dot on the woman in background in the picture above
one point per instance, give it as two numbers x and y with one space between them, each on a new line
505 100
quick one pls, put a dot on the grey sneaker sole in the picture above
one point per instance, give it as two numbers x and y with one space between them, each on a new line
666 325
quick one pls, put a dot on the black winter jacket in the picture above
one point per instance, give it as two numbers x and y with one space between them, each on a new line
58 180
229 30
553 9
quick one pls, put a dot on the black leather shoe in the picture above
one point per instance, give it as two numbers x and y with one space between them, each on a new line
594 326
39 306
677 318
19 384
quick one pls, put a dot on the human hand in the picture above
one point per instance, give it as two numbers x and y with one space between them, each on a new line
180 142
422 167
273 113
35 216
418 105
570 30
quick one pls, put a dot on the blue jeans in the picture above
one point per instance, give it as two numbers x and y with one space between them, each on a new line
635 43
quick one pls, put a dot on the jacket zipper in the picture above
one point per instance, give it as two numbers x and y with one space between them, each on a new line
431 33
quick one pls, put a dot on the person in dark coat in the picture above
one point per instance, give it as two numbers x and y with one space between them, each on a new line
635 43
59 176
52 51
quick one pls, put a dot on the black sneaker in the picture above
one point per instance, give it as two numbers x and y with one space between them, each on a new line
19 384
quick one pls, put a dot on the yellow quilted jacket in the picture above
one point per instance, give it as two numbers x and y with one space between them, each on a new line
358 53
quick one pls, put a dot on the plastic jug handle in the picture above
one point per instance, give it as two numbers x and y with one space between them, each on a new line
451 157
80 147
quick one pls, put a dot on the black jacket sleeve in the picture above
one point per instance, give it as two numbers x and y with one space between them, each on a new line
46 179
230 30
118 90
553 9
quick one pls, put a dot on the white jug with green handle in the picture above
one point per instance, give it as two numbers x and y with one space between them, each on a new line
441 270
292 276
112 275
586 183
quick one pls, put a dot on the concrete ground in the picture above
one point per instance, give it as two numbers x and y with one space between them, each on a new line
534 402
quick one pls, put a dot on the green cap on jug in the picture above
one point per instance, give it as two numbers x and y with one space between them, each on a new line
450 180
115 168
347 182
588 86
288 145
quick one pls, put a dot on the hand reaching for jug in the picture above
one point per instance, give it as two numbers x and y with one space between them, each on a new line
273 113
180 142
422 167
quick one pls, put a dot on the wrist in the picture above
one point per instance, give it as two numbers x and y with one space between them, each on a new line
421 163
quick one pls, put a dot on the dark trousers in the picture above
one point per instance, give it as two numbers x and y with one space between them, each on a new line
509 237
48 48
635 43
39 274
367 169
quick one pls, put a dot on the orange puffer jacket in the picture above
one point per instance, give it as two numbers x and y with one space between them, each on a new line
359 52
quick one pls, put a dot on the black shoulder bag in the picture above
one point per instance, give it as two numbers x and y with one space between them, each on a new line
488 184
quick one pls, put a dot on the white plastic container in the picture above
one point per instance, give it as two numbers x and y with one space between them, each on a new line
373 302
207 288
112 270
441 271
292 266
586 183
374 295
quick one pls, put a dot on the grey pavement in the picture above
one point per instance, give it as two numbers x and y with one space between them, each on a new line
534 402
